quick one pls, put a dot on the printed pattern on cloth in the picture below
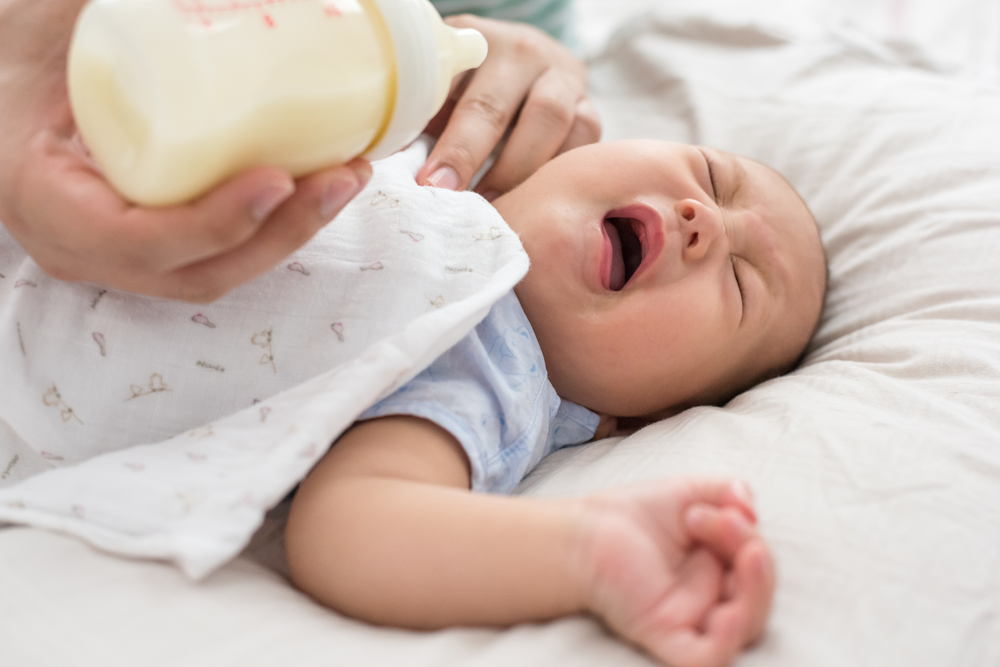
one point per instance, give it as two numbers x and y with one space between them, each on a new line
240 397
491 392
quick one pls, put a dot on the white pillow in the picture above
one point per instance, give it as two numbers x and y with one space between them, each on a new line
876 464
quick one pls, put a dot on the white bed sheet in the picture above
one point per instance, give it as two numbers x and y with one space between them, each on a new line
876 465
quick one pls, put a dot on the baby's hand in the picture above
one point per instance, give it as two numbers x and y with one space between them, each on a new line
678 568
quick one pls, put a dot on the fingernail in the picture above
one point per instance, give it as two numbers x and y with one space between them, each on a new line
742 491
444 177
739 519
338 192
269 199
696 515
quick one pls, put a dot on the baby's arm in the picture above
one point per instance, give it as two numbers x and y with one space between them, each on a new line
386 530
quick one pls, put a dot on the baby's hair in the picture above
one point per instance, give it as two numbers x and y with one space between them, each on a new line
819 317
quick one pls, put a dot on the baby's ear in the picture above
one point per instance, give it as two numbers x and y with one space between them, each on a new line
626 426
606 428
629 425
618 427
615 427
660 415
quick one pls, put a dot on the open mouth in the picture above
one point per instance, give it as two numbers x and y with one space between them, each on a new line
626 249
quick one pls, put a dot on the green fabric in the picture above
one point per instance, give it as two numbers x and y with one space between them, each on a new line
552 16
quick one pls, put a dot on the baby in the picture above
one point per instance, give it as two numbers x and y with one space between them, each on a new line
662 276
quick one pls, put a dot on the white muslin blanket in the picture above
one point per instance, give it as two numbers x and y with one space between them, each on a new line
161 429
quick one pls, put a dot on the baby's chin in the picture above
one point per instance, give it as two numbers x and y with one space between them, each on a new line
505 203
697 391
636 405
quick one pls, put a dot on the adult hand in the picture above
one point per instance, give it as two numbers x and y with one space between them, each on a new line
55 202
531 87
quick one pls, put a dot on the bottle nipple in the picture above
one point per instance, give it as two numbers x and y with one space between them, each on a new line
468 48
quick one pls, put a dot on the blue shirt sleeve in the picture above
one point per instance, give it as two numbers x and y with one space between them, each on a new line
492 393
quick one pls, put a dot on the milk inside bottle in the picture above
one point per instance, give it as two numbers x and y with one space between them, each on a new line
174 96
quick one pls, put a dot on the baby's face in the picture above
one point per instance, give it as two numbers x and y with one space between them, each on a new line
663 275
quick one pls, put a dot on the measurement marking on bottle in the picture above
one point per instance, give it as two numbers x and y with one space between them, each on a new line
201 7
205 11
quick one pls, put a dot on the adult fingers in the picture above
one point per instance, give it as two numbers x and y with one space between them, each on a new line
94 235
318 198
215 223
91 233
250 200
542 127
477 124
458 87
586 127
482 115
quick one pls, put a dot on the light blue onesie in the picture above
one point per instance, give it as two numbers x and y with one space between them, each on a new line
492 393
490 390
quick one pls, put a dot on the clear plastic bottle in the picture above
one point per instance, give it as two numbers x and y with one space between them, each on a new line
174 96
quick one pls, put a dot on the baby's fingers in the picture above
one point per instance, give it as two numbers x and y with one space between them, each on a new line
732 624
720 492
740 620
754 577
723 530
716 646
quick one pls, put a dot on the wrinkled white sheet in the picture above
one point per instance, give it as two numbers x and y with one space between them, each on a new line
171 428
876 466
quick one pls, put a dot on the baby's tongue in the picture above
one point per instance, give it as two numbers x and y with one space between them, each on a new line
617 260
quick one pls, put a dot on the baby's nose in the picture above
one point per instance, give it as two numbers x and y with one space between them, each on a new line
700 228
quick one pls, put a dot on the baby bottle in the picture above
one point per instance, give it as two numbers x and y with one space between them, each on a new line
173 96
